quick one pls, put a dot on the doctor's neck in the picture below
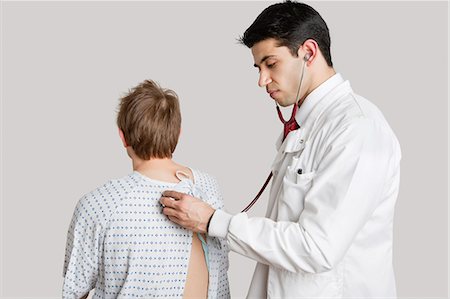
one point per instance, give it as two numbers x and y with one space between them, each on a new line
318 73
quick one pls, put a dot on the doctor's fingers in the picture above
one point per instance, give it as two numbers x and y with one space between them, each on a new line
186 224
168 202
174 194
180 214
170 212
180 218
182 205
174 220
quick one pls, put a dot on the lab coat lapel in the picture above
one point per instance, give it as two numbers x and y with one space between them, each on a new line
293 143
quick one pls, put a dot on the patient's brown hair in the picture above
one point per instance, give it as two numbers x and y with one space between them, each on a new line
150 119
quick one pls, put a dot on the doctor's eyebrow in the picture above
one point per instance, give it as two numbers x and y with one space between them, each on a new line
263 59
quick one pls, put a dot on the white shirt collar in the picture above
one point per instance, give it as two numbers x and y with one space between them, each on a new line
307 106
316 95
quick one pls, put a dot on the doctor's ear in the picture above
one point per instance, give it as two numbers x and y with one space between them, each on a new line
122 137
308 50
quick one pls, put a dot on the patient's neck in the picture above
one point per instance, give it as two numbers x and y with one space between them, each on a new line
160 169
153 164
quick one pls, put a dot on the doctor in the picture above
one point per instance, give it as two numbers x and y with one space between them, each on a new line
328 229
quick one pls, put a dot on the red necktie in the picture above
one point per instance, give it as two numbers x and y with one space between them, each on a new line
291 124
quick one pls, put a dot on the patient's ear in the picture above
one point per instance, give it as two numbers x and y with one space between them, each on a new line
122 137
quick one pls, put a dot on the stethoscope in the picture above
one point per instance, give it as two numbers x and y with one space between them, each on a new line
289 125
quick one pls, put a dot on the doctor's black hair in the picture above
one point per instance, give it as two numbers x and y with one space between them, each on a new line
291 24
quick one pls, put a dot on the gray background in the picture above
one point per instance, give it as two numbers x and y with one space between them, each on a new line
64 66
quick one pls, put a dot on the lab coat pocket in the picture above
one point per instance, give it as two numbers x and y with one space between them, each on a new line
294 189
306 285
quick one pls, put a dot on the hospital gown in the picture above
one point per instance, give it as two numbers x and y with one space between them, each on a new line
121 244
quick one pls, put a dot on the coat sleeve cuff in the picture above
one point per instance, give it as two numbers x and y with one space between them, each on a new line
220 222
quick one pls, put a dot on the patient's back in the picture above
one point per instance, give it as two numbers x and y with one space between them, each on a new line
121 244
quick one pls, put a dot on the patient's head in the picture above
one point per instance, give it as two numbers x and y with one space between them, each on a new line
149 119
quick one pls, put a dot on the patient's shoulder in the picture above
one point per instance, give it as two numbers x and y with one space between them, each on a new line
209 184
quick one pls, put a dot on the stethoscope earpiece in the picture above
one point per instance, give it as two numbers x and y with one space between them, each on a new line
307 57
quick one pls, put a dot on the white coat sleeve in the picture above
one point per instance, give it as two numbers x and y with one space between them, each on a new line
345 191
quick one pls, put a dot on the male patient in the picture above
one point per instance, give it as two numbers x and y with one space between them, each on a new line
119 242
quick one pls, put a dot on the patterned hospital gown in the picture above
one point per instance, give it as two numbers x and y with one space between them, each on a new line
121 244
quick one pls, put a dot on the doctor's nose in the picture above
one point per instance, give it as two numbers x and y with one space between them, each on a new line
264 79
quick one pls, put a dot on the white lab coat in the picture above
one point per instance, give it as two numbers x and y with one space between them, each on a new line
328 231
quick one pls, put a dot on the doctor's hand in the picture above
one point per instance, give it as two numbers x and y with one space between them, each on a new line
187 211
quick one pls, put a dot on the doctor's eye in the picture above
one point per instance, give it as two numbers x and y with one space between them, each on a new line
271 66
